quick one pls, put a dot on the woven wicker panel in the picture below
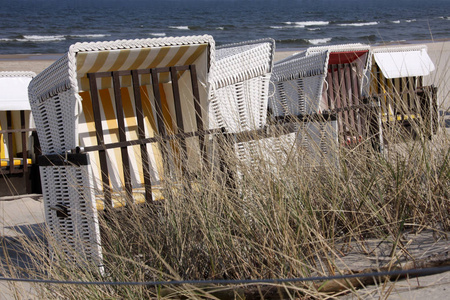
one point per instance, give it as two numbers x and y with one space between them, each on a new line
314 144
298 82
242 106
55 121
77 234
240 86
242 61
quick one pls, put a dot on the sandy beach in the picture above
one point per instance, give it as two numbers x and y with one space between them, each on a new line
439 53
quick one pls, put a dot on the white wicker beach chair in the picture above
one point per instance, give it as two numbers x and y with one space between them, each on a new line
297 88
397 82
240 90
115 101
16 124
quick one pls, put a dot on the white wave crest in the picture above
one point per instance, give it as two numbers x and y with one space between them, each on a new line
220 28
276 27
180 27
359 24
396 22
307 23
319 41
313 29
89 35
312 23
158 34
42 38
409 21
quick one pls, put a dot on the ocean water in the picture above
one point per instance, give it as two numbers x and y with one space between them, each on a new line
51 26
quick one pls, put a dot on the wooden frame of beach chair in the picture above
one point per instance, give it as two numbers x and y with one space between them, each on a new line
103 113
17 151
345 93
397 83
297 88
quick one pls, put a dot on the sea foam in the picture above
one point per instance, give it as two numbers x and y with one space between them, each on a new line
94 35
158 34
359 24
42 38
308 23
319 41
180 27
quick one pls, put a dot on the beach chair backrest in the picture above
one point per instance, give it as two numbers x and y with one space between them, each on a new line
143 120
155 103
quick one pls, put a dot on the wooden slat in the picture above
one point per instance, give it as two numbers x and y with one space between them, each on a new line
179 118
10 142
417 99
409 97
122 136
388 88
24 152
162 131
99 133
337 97
355 99
145 160
17 130
150 140
343 94
198 113
158 105
178 109
349 96
330 92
